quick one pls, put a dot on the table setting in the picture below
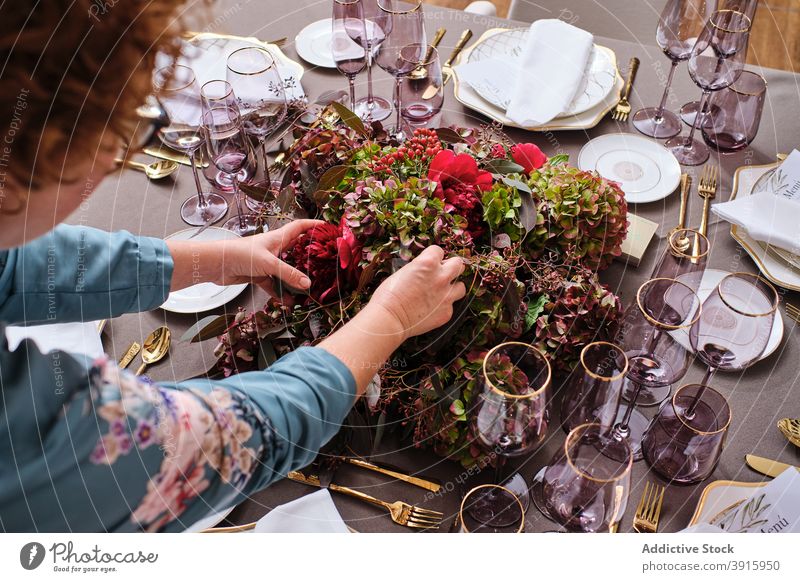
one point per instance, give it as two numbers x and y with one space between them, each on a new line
625 357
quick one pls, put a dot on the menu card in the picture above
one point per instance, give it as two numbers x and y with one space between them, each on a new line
785 181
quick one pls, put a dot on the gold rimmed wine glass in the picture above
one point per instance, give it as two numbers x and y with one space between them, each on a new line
475 515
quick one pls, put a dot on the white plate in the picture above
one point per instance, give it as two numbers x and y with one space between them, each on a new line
720 497
645 170
470 98
773 263
313 43
712 278
598 83
204 296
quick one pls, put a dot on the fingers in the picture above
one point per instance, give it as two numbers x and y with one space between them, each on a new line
453 267
286 235
290 276
456 292
432 253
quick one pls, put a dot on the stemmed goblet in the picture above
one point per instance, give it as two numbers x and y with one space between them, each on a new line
585 487
179 94
511 415
350 57
370 37
716 61
689 111
403 48
261 97
736 325
228 146
678 28
655 358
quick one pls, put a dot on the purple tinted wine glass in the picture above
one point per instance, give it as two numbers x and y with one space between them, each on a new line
491 509
716 61
350 56
679 26
422 95
512 413
585 487
689 111
595 387
685 447
404 29
179 94
228 146
370 37
736 113
655 357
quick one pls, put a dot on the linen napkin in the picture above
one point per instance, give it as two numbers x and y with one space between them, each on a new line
774 508
553 64
314 513
770 215
73 338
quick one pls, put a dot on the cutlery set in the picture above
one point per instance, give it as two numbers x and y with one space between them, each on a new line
156 347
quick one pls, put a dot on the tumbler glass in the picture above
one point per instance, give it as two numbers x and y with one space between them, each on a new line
737 113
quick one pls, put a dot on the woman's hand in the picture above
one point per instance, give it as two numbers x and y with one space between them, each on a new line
253 259
420 296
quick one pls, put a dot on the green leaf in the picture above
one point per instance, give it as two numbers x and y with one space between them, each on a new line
266 355
350 119
448 135
501 166
528 215
332 177
559 159
257 192
380 429
207 328
519 185
535 309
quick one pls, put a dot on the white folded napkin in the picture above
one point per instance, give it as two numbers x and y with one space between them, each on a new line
553 65
73 338
774 508
314 513
766 217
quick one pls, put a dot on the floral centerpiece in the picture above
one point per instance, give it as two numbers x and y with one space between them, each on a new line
533 231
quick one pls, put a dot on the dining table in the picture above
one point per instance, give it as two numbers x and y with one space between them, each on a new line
759 396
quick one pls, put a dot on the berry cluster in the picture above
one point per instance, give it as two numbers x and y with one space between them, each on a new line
423 146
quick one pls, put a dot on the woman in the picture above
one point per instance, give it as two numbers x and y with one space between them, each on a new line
83 445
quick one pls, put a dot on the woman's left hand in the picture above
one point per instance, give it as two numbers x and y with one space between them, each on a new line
255 259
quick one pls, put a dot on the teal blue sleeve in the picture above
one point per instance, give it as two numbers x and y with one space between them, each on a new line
85 446
77 273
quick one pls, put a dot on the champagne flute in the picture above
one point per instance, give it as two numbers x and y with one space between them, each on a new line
716 61
405 29
655 358
748 7
680 24
371 36
179 94
228 145
736 325
512 413
258 86
350 57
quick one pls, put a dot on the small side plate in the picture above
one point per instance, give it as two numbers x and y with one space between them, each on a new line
313 43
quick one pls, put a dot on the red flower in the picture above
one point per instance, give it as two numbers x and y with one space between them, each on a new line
498 151
459 183
329 255
529 156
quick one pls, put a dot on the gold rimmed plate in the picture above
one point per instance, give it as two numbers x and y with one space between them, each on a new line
720 498
772 262
470 98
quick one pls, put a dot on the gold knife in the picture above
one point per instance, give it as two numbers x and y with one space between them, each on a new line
132 352
447 68
173 156
418 481
767 467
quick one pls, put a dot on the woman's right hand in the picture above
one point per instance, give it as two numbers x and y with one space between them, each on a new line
420 296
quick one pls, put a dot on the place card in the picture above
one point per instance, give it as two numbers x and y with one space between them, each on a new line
640 233
785 181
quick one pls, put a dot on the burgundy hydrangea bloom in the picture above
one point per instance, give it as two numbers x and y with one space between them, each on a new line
459 183
329 255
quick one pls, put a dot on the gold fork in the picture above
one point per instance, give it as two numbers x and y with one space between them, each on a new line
401 512
623 108
793 312
707 189
649 509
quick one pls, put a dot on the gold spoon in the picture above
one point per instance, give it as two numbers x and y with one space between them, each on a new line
155 170
155 347
421 72
790 427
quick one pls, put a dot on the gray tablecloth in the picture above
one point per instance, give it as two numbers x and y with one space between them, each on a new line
765 393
